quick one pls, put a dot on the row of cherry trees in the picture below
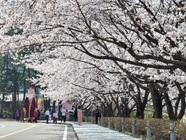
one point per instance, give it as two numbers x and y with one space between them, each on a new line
122 55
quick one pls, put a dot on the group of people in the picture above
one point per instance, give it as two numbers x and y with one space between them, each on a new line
75 114
34 118
50 114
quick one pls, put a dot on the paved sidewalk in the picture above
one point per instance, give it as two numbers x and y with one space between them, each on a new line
88 131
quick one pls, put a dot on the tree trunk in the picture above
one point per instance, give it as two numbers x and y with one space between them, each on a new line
183 103
157 102
169 107
141 105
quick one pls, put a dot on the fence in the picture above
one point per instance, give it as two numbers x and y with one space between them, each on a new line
152 129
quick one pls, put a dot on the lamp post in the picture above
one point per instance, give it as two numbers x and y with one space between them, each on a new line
172 133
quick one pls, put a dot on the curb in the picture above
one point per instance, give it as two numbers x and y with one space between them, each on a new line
75 131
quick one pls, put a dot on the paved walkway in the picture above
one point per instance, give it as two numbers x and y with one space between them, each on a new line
88 131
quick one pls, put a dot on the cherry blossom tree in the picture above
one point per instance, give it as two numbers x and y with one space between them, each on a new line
142 40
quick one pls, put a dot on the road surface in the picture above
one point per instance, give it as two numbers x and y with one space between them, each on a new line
36 131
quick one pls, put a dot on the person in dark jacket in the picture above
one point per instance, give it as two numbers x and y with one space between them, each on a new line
75 114
97 114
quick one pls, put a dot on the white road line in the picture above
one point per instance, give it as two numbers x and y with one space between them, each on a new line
1 126
65 133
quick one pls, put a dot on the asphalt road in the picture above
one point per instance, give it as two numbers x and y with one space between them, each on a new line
36 131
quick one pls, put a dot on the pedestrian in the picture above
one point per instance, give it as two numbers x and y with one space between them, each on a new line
97 114
51 112
47 113
75 114
17 115
63 114
80 115
38 114
35 115
55 117
71 114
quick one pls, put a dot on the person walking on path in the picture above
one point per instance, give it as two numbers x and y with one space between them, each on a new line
75 114
80 115
38 114
63 114
17 115
54 118
71 114
47 113
97 114
35 115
